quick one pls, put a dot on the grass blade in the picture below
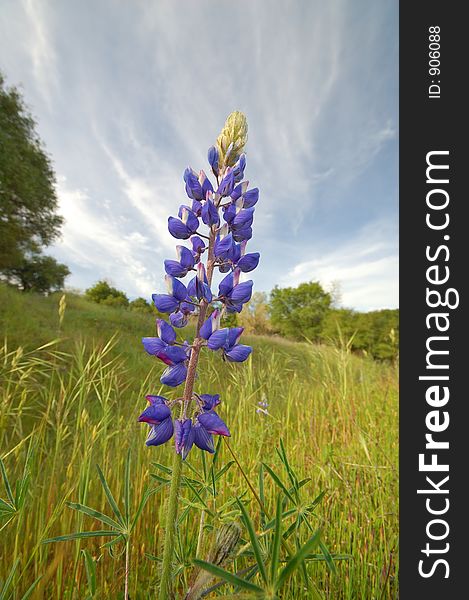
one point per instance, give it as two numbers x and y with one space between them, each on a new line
297 559
9 579
227 576
254 541
90 568
277 539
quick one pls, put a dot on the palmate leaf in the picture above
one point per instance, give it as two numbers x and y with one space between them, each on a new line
297 560
227 576
279 483
6 483
254 541
81 534
91 512
127 489
110 497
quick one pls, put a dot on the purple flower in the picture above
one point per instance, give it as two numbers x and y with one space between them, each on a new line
203 439
234 294
177 292
180 267
227 183
210 213
213 159
227 340
209 401
193 187
212 423
184 436
185 226
158 416
198 287
174 375
156 412
181 317
210 325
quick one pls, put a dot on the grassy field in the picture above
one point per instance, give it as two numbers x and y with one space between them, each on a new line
71 395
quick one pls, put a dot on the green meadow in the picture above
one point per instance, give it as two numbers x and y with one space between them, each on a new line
71 393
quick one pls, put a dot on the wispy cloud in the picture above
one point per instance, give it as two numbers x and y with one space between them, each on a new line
126 95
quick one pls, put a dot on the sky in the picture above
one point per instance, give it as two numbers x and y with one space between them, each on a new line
126 94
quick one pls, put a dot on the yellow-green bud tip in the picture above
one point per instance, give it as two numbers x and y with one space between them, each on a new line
232 139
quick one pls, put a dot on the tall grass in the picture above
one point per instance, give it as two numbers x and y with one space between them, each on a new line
72 403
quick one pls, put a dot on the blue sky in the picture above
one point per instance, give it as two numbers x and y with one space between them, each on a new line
127 94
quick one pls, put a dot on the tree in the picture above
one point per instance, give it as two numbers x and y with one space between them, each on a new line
299 312
255 317
38 273
28 199
102 293
140 305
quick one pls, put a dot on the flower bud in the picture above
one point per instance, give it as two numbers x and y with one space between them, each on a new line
232 139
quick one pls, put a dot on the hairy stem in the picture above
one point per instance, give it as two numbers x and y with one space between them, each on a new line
127 568
171 514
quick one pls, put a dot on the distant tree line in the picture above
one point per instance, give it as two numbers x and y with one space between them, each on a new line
304 313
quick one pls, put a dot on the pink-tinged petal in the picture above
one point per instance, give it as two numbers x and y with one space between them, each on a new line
154 414
155 399
213 424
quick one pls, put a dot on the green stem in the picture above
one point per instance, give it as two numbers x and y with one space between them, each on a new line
170 533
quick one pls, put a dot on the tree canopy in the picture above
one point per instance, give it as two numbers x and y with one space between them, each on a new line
28 198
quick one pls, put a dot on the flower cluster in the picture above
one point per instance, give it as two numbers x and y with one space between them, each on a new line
226 212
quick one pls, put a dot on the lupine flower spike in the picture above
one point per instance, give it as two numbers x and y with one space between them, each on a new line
216 222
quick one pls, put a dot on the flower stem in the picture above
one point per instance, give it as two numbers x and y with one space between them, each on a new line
127 568
171 513
171 516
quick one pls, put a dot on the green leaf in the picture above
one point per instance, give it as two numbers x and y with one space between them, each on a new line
6 482
90 568
166 470
227 576
276 541
9 579
81 535
254 541
31 588
285 515
277 480
95 514
297 559
110 497
127 489
328 557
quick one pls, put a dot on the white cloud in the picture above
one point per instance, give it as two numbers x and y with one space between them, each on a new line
366 268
